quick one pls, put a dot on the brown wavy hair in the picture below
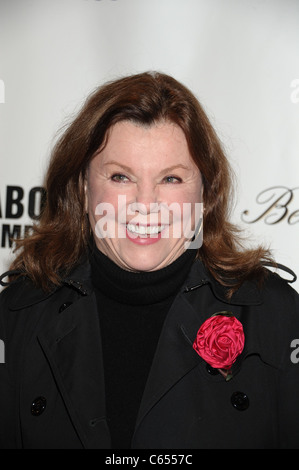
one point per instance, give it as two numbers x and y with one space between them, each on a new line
60 237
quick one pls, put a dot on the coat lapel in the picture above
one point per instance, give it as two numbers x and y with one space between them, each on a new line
174 356
73 349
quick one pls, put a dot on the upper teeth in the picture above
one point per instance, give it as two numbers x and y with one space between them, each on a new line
145 230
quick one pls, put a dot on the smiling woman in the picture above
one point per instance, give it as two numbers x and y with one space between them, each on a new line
157 171
102 315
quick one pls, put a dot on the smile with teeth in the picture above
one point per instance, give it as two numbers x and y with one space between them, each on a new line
145 229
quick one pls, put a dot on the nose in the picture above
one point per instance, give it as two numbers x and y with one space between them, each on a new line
146 198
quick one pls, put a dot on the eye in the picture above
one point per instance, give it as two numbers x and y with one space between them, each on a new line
172 179
119 178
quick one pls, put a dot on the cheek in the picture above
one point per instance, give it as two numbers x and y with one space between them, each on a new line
98 194
186 211
107 213
183 198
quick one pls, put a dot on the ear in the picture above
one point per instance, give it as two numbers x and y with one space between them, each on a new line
201 188
85 196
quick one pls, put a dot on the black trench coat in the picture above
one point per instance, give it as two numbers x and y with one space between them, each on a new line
52 383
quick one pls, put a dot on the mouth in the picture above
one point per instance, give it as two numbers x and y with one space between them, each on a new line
145 230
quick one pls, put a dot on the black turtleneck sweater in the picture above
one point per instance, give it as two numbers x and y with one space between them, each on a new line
132 309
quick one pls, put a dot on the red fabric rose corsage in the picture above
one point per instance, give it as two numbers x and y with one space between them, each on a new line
219 341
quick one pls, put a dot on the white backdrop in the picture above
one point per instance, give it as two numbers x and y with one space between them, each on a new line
240 57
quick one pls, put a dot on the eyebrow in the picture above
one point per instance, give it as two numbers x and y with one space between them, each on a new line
113 162
165 170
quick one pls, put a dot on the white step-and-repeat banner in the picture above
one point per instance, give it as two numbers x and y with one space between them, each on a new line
240 58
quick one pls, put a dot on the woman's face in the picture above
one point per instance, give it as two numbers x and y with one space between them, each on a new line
141 193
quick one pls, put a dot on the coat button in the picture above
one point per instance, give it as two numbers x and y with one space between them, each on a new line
240 401
38 406
64 306
211 370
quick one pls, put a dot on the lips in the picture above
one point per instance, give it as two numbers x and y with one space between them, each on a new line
145 234
145 230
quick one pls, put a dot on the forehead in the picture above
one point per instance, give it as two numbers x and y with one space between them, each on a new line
160 143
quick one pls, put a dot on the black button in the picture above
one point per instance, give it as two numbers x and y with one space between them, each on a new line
240 401
64 306
38 406
211 370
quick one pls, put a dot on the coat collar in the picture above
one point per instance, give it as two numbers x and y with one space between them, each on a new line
27 294
247 294
80 280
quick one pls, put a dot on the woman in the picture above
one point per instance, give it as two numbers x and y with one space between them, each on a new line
123 327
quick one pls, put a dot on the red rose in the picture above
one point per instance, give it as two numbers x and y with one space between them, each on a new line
220 340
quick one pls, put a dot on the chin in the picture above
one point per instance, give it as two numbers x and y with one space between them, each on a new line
135 263
145 267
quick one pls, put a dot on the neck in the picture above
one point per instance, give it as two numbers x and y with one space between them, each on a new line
139 287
